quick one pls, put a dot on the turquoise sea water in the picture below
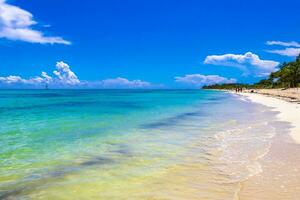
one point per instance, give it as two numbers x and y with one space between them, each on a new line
129 144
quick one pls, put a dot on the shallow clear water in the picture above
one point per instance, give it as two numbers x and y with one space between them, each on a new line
129 144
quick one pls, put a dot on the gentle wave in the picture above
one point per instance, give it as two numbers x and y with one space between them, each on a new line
130 144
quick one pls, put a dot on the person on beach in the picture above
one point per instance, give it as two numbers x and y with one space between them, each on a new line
237 90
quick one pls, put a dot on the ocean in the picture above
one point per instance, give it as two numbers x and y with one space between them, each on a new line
130 144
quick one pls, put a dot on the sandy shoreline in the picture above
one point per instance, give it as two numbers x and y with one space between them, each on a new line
280 176
290 95
288 111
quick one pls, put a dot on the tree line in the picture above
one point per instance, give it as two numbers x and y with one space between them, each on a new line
288 76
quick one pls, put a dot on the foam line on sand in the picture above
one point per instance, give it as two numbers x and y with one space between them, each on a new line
289 112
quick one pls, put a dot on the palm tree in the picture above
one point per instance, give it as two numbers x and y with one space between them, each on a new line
289 74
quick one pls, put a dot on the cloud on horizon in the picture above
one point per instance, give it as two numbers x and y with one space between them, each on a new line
19 80
124 83
249 63
199 80
291 49
64 77
119 83
16 24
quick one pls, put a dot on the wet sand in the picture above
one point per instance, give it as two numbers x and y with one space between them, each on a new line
288 111
280 177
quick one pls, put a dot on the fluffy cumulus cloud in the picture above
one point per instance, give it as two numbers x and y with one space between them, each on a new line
199 80
292 48
17 24
46 78
64 74
249 63
64 77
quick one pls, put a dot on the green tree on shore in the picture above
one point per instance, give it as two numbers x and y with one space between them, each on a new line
288 76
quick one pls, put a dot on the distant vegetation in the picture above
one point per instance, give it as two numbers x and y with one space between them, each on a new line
288 76
227 86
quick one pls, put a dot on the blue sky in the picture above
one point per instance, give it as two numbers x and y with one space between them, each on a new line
144 44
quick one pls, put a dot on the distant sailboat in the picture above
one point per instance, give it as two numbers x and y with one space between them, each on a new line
46 87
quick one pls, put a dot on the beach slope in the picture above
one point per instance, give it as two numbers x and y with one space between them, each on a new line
288 111
280 176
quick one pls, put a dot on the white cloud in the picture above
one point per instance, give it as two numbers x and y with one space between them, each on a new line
18 80
249 63
285 44
46 77
64 77
119 83
199 80
292 52
124 83
292 49
16 24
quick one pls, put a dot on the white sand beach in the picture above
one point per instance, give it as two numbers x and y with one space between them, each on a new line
288 111
280 176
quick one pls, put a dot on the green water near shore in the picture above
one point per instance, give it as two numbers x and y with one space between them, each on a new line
128 144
